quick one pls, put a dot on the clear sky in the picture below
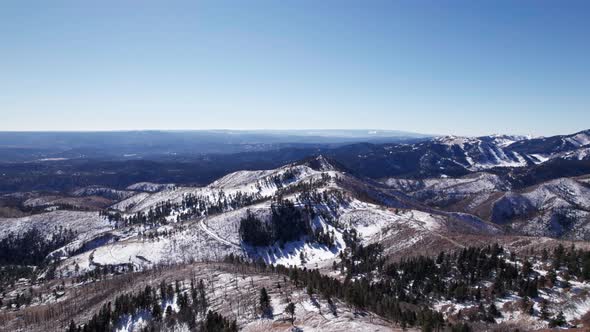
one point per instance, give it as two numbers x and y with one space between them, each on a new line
441 67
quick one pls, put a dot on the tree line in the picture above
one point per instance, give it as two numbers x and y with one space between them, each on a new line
359 294
31 247
403 291
155 304
287 223
191 206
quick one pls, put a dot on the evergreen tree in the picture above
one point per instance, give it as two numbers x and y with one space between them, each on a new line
264 301
544 313
290 310
157 312
72 327
559 320
170 321
493 311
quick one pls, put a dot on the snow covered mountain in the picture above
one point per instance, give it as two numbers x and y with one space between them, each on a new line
334 214
203 223
549 147
407 217
481 152
457 156
319 214
449 176
332 197
555 208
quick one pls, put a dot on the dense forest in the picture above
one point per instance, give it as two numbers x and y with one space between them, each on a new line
155 305
32 247
25 255
358 258
191 206
404 291
358 294
287 223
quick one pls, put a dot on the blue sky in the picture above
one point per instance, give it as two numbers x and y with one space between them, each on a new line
441 67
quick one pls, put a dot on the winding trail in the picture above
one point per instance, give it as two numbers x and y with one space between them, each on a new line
203 226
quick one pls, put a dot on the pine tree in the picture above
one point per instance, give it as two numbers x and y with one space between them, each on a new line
72 327
559 320
493 311
157 312
290 310
544 314
264 300
169 317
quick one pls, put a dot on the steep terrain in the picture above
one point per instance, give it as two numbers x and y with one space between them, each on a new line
341 214
332 203
556 208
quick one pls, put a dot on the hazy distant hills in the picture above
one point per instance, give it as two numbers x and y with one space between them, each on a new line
476 225
65 161
28 146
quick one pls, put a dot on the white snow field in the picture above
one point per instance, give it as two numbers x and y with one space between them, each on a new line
213 237
84 224
150 186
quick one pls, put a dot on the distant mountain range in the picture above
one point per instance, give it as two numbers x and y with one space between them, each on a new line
121 159
29 146
419 220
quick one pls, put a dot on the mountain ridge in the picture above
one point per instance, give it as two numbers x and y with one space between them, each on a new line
329 214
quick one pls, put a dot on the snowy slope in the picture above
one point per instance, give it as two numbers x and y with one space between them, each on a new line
213 237
129 203
485 152
185 244
267 182
85 224
150 186
378 213
506 140
346 203
557 208
560 193
477 153
262 183
579 139
469 184
582 153
103 192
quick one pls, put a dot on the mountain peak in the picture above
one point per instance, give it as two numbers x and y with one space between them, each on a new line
455 140
321 163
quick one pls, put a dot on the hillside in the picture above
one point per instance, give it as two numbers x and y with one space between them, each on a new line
318 214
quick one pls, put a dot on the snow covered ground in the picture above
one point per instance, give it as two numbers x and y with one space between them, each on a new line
554 208
347 203
482 153
84 224
470 184
103 192
574 302
213 237
150 186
